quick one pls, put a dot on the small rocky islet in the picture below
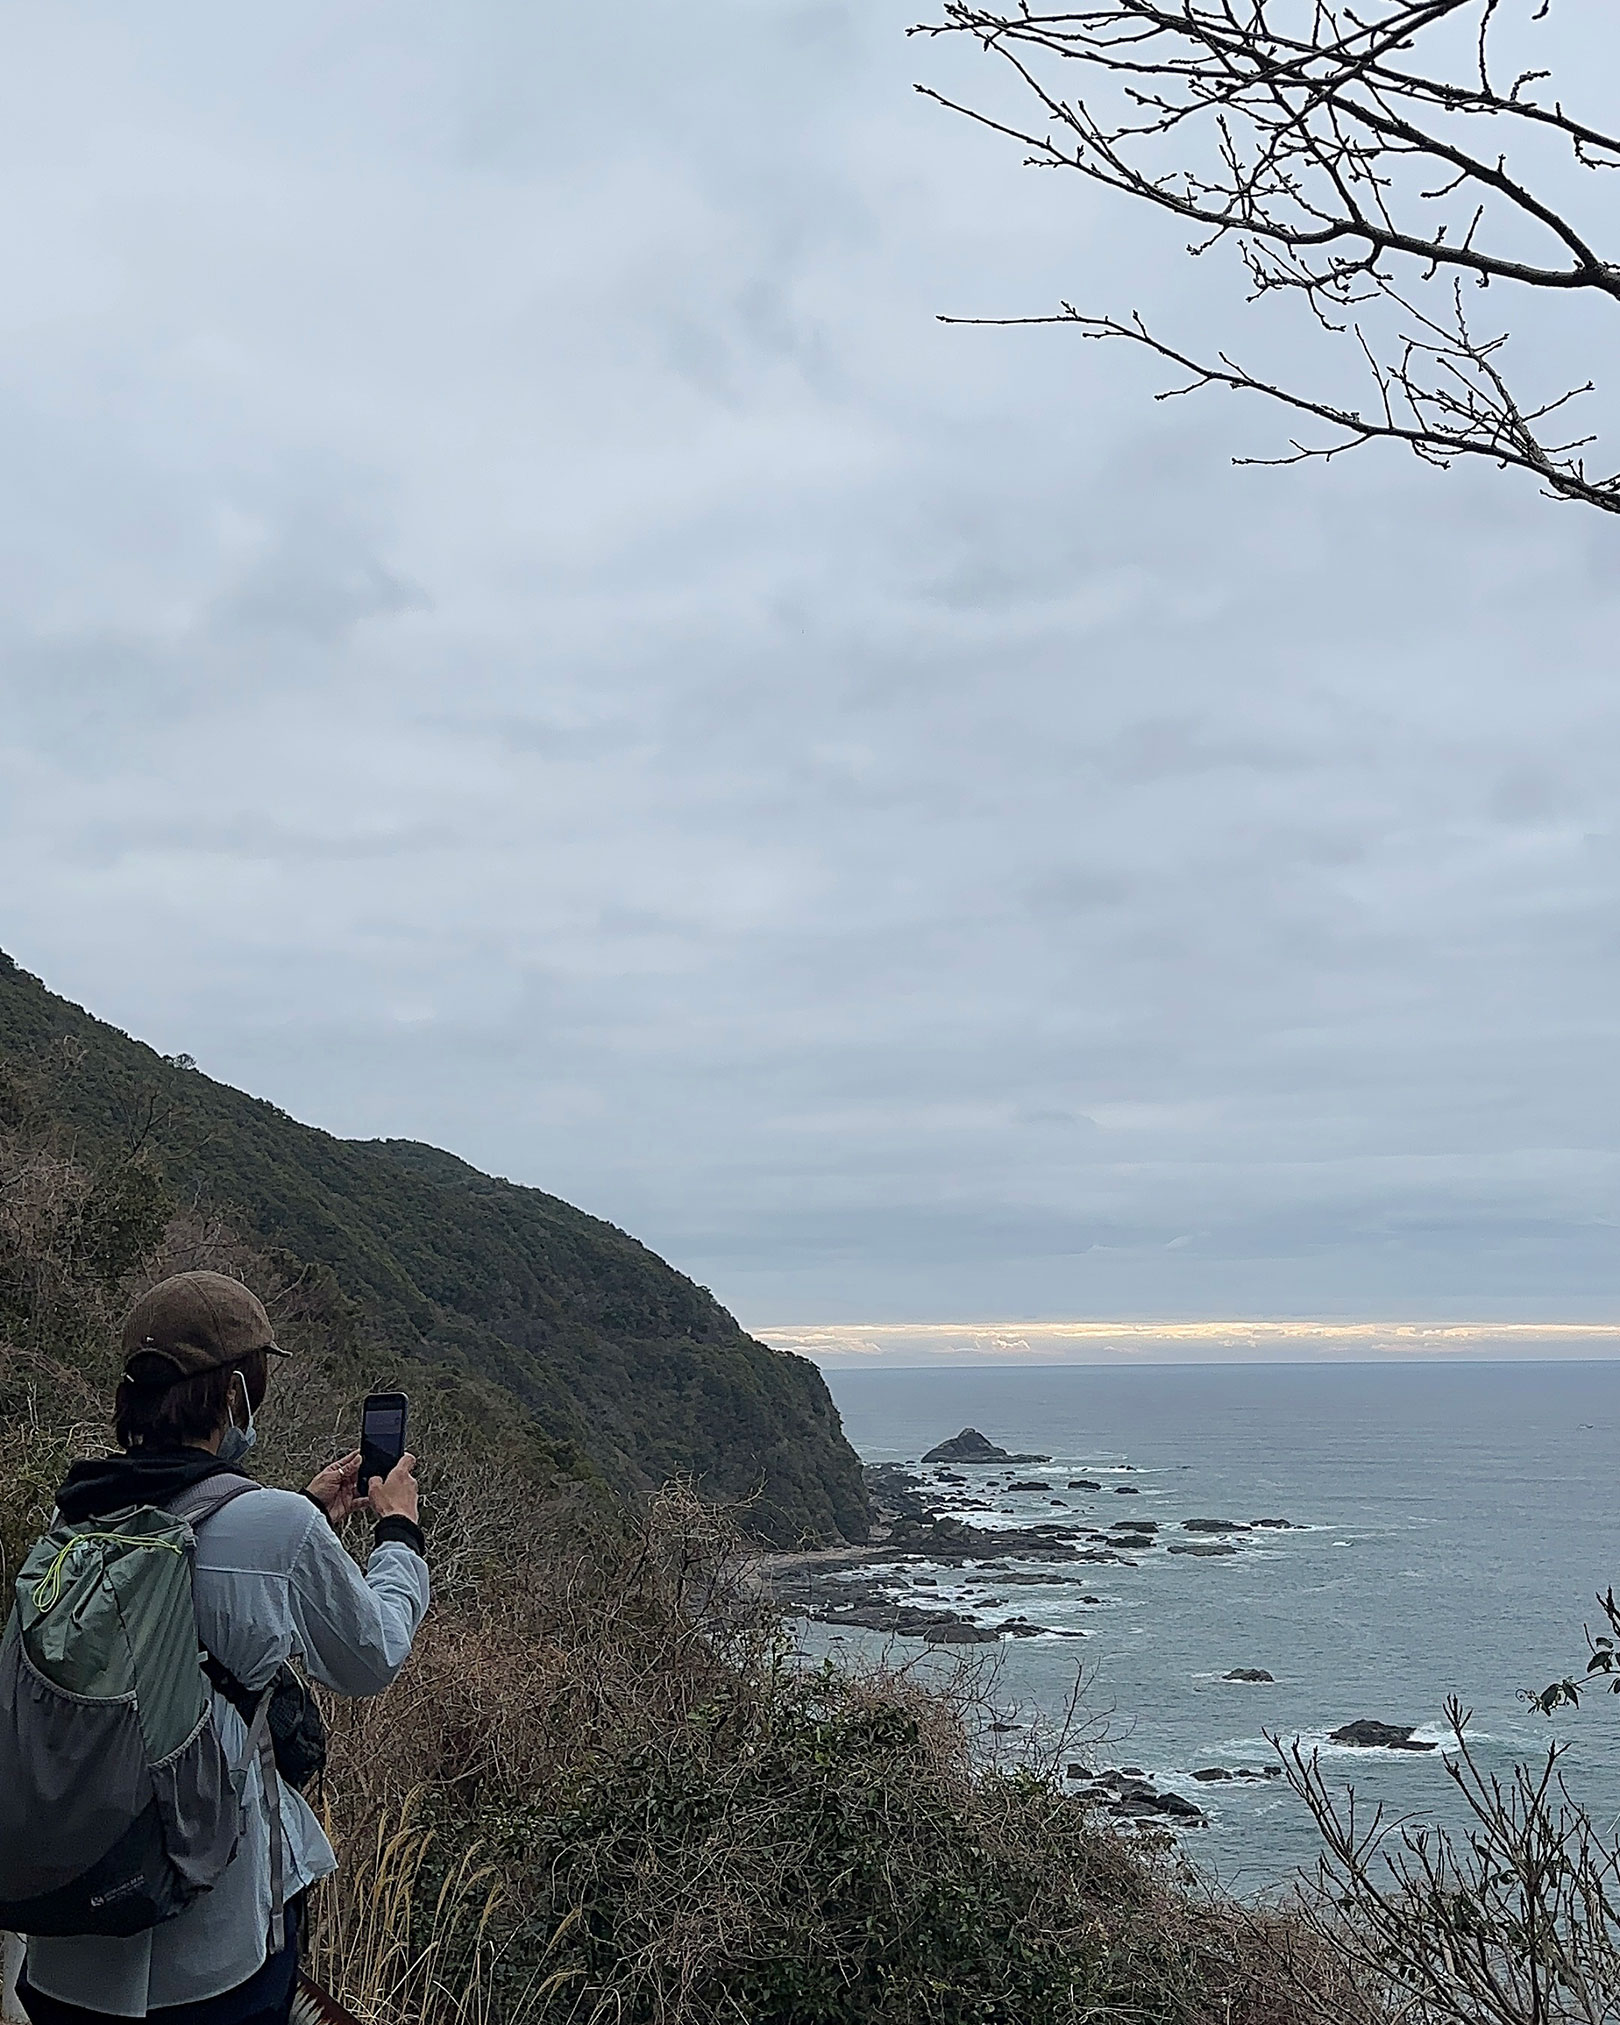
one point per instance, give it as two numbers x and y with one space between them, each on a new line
972 1447
1366 1735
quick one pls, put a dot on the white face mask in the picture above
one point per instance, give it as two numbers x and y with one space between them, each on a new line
236 1441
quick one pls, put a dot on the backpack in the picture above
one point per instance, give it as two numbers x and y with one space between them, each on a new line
118 1805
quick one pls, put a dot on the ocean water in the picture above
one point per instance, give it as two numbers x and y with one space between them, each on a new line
1455 1522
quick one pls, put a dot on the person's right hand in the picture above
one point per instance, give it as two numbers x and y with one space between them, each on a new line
394 1496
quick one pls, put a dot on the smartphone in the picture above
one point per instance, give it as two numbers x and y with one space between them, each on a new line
382 1435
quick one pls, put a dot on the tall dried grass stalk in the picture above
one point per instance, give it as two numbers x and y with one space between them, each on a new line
395 1952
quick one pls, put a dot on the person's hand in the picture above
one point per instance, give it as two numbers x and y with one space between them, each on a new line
334 1489
394 1496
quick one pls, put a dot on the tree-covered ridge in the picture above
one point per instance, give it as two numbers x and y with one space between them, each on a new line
616 1355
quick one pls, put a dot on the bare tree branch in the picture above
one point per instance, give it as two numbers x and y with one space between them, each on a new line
1345 173
1511 1921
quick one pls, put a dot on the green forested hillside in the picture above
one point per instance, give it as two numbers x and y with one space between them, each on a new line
612 1351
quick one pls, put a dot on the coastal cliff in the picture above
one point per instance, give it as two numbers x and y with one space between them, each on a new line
629 1370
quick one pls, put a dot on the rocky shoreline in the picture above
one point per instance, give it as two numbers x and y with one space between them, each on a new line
829 1585
923 1519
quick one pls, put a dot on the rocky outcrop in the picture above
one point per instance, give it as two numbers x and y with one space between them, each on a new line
849 1597
1129 1795
1367 1735
1209 1774
959 1631
905 1522
972 1447
1249 1673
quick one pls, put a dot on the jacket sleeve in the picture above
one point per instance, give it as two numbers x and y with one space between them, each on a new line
355 1629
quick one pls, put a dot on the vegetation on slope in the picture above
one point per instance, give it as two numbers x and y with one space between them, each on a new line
629 1369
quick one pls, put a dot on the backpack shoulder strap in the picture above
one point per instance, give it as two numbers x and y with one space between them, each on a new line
198 1503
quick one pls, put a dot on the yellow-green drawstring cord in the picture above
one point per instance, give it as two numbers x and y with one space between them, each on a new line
48 1589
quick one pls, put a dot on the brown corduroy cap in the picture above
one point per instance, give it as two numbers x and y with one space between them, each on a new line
191 1323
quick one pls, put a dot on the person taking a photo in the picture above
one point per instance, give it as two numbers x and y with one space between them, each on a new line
270 1580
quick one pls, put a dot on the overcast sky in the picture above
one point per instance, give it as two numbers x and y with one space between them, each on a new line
521 631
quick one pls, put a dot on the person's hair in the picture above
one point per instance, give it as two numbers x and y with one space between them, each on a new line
187 1412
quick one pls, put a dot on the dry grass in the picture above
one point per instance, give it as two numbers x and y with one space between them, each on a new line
389 1947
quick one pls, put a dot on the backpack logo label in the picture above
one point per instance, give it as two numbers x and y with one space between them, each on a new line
130 1884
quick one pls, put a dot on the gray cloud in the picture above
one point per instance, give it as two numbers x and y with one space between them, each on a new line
520 629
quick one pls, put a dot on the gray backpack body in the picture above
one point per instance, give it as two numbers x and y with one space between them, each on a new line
118 1805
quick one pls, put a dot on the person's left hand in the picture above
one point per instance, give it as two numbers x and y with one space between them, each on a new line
334 1488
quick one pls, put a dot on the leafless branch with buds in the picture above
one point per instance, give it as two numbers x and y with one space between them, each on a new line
1369 160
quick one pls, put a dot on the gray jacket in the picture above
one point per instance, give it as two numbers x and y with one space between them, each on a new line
272 1582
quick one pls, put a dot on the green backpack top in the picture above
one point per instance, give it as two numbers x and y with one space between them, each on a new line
118 1805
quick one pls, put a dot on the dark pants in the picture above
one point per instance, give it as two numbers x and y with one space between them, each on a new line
264 1999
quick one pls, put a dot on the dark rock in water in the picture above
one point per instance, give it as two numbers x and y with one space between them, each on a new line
1020 1627
1212 1526
1281 1525
892 1476
1126 1491
1082 1484
1001 1728
1249 1673
1138 1543
957 1631
1202 1548
932 1582
1129 1795
1209 1773
972 1447
1367 1735
1134 1526
1027 1487
1057 1501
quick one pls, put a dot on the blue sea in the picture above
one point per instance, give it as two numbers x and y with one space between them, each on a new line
1452 1526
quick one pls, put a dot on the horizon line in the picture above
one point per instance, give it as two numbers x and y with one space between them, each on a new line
871 1342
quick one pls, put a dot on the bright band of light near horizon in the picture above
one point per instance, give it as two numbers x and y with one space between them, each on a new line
1094 1342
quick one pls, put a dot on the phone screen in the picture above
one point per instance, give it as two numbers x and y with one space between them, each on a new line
382 1435
383 1429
